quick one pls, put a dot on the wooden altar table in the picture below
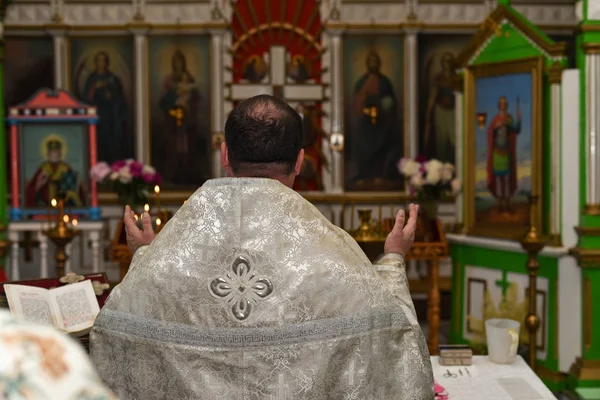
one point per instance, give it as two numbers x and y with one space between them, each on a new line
486 380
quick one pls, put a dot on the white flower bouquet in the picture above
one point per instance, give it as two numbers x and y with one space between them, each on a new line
430 180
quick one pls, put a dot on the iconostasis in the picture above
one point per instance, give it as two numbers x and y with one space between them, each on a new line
375 80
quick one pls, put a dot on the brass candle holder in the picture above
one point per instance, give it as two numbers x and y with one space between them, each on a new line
368 231
61 235
532 244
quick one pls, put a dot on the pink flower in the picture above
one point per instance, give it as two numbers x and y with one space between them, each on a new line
135 168
100 171
117 165
440 392
148 178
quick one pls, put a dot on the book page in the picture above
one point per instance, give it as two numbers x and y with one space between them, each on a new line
30 303
75 306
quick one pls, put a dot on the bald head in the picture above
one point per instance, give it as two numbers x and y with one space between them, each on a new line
263 138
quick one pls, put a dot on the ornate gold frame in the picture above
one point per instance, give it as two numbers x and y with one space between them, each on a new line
527 65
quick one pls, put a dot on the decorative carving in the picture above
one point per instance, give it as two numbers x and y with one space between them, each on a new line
586 258
242 290
592 209
499 17
436 15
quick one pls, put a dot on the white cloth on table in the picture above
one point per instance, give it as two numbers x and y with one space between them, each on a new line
490 381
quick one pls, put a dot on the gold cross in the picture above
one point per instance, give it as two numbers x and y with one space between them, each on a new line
178 114
371 112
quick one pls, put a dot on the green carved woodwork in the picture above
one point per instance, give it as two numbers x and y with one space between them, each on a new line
585 371
506 262
506 36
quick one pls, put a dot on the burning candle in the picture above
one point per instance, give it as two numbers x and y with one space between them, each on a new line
53 202
157 191
158 222
146 207
66 219
74 223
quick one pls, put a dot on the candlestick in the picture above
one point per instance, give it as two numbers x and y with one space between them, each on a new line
157 191
61 235
532 243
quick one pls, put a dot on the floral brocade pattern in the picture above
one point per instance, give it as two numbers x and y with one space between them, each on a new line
250 293
39 363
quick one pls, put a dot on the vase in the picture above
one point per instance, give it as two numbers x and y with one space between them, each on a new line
426 221
134 199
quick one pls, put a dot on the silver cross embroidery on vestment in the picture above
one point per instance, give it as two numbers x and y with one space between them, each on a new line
241 290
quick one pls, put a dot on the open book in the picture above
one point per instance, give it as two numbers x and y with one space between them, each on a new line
70 308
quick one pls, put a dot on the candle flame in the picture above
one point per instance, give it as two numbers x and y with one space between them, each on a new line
157 189
147 207
53 202
135 216
158 222
66 218
75 222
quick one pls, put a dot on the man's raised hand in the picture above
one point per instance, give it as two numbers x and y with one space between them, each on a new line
137 237
402 236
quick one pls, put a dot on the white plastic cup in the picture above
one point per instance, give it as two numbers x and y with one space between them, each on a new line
502 340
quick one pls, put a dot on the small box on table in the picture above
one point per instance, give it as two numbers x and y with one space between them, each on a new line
455 354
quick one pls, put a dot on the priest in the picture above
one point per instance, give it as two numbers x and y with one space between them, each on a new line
248 292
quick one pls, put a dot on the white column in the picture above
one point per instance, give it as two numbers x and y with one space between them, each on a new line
569 273
592 157
69 252
217 88
142 135
96 253
60 58
337 124
411 78
43 240
458 126
555 159
13 237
